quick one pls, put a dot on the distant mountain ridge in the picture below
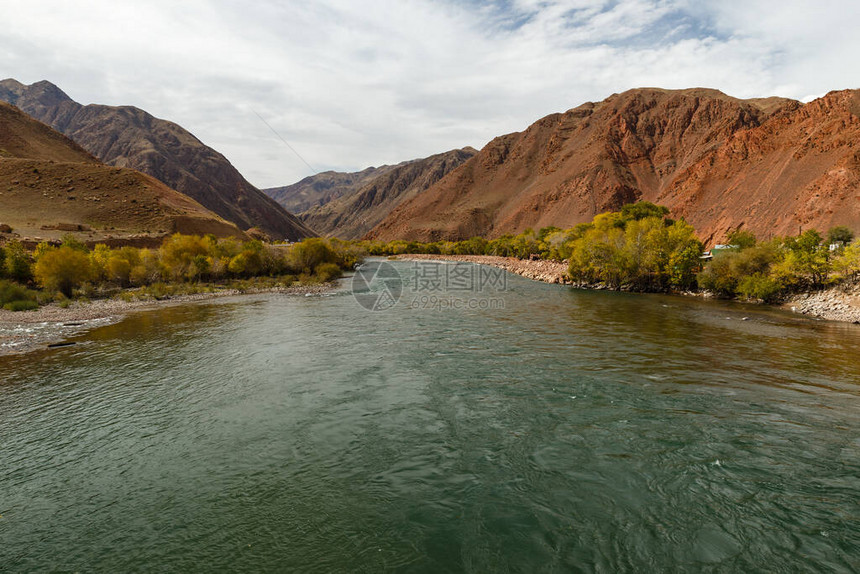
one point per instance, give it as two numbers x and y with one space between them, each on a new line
126 136
770 165
356 212
321 188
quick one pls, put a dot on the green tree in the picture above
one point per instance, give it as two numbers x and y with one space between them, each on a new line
760 286
18 262
70 241
724 274
847 263
547 231
805 263
642 253
838 234
742 239
643 210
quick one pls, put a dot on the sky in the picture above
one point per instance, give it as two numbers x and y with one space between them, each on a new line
287 89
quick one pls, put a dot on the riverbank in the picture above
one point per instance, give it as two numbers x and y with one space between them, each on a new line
25 331
840 303
540 270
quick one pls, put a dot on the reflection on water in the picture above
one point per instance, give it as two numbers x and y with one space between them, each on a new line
571 431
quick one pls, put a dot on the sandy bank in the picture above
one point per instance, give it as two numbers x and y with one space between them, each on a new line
26 331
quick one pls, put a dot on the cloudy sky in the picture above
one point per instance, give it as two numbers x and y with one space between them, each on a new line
351 83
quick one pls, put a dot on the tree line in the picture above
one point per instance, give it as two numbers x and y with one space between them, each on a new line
71 269
638 248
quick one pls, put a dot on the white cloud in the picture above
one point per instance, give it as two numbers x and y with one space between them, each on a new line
352 84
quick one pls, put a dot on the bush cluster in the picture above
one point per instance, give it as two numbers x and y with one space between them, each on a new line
637 249
71 268
770 270
15 297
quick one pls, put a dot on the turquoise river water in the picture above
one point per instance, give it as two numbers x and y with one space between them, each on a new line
531 428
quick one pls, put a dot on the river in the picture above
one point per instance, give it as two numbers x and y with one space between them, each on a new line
507 427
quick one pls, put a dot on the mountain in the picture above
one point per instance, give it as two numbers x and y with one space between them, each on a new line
50 186
770 165
319 189
354 214
129 137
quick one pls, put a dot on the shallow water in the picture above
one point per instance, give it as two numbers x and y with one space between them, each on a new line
567 432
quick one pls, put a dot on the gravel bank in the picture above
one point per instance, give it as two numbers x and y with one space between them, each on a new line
841 303
27 331
542 270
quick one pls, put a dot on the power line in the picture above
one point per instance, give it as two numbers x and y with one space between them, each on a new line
286 143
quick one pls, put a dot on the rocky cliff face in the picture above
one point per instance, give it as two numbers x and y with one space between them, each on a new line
129 137
354 214
770 165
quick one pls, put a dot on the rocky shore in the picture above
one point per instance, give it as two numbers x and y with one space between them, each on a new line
540 270
26 331
840 303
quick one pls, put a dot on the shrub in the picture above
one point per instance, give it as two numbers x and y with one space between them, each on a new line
21 306
63 270
14 297
18 262
742 239
760 286
840 233
328 272
725 273
719 277
847 264
179 255
310 253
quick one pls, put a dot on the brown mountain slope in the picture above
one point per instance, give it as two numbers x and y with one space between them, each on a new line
129 137
721 162
319 189
353 215
49 186
21 137
799 170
